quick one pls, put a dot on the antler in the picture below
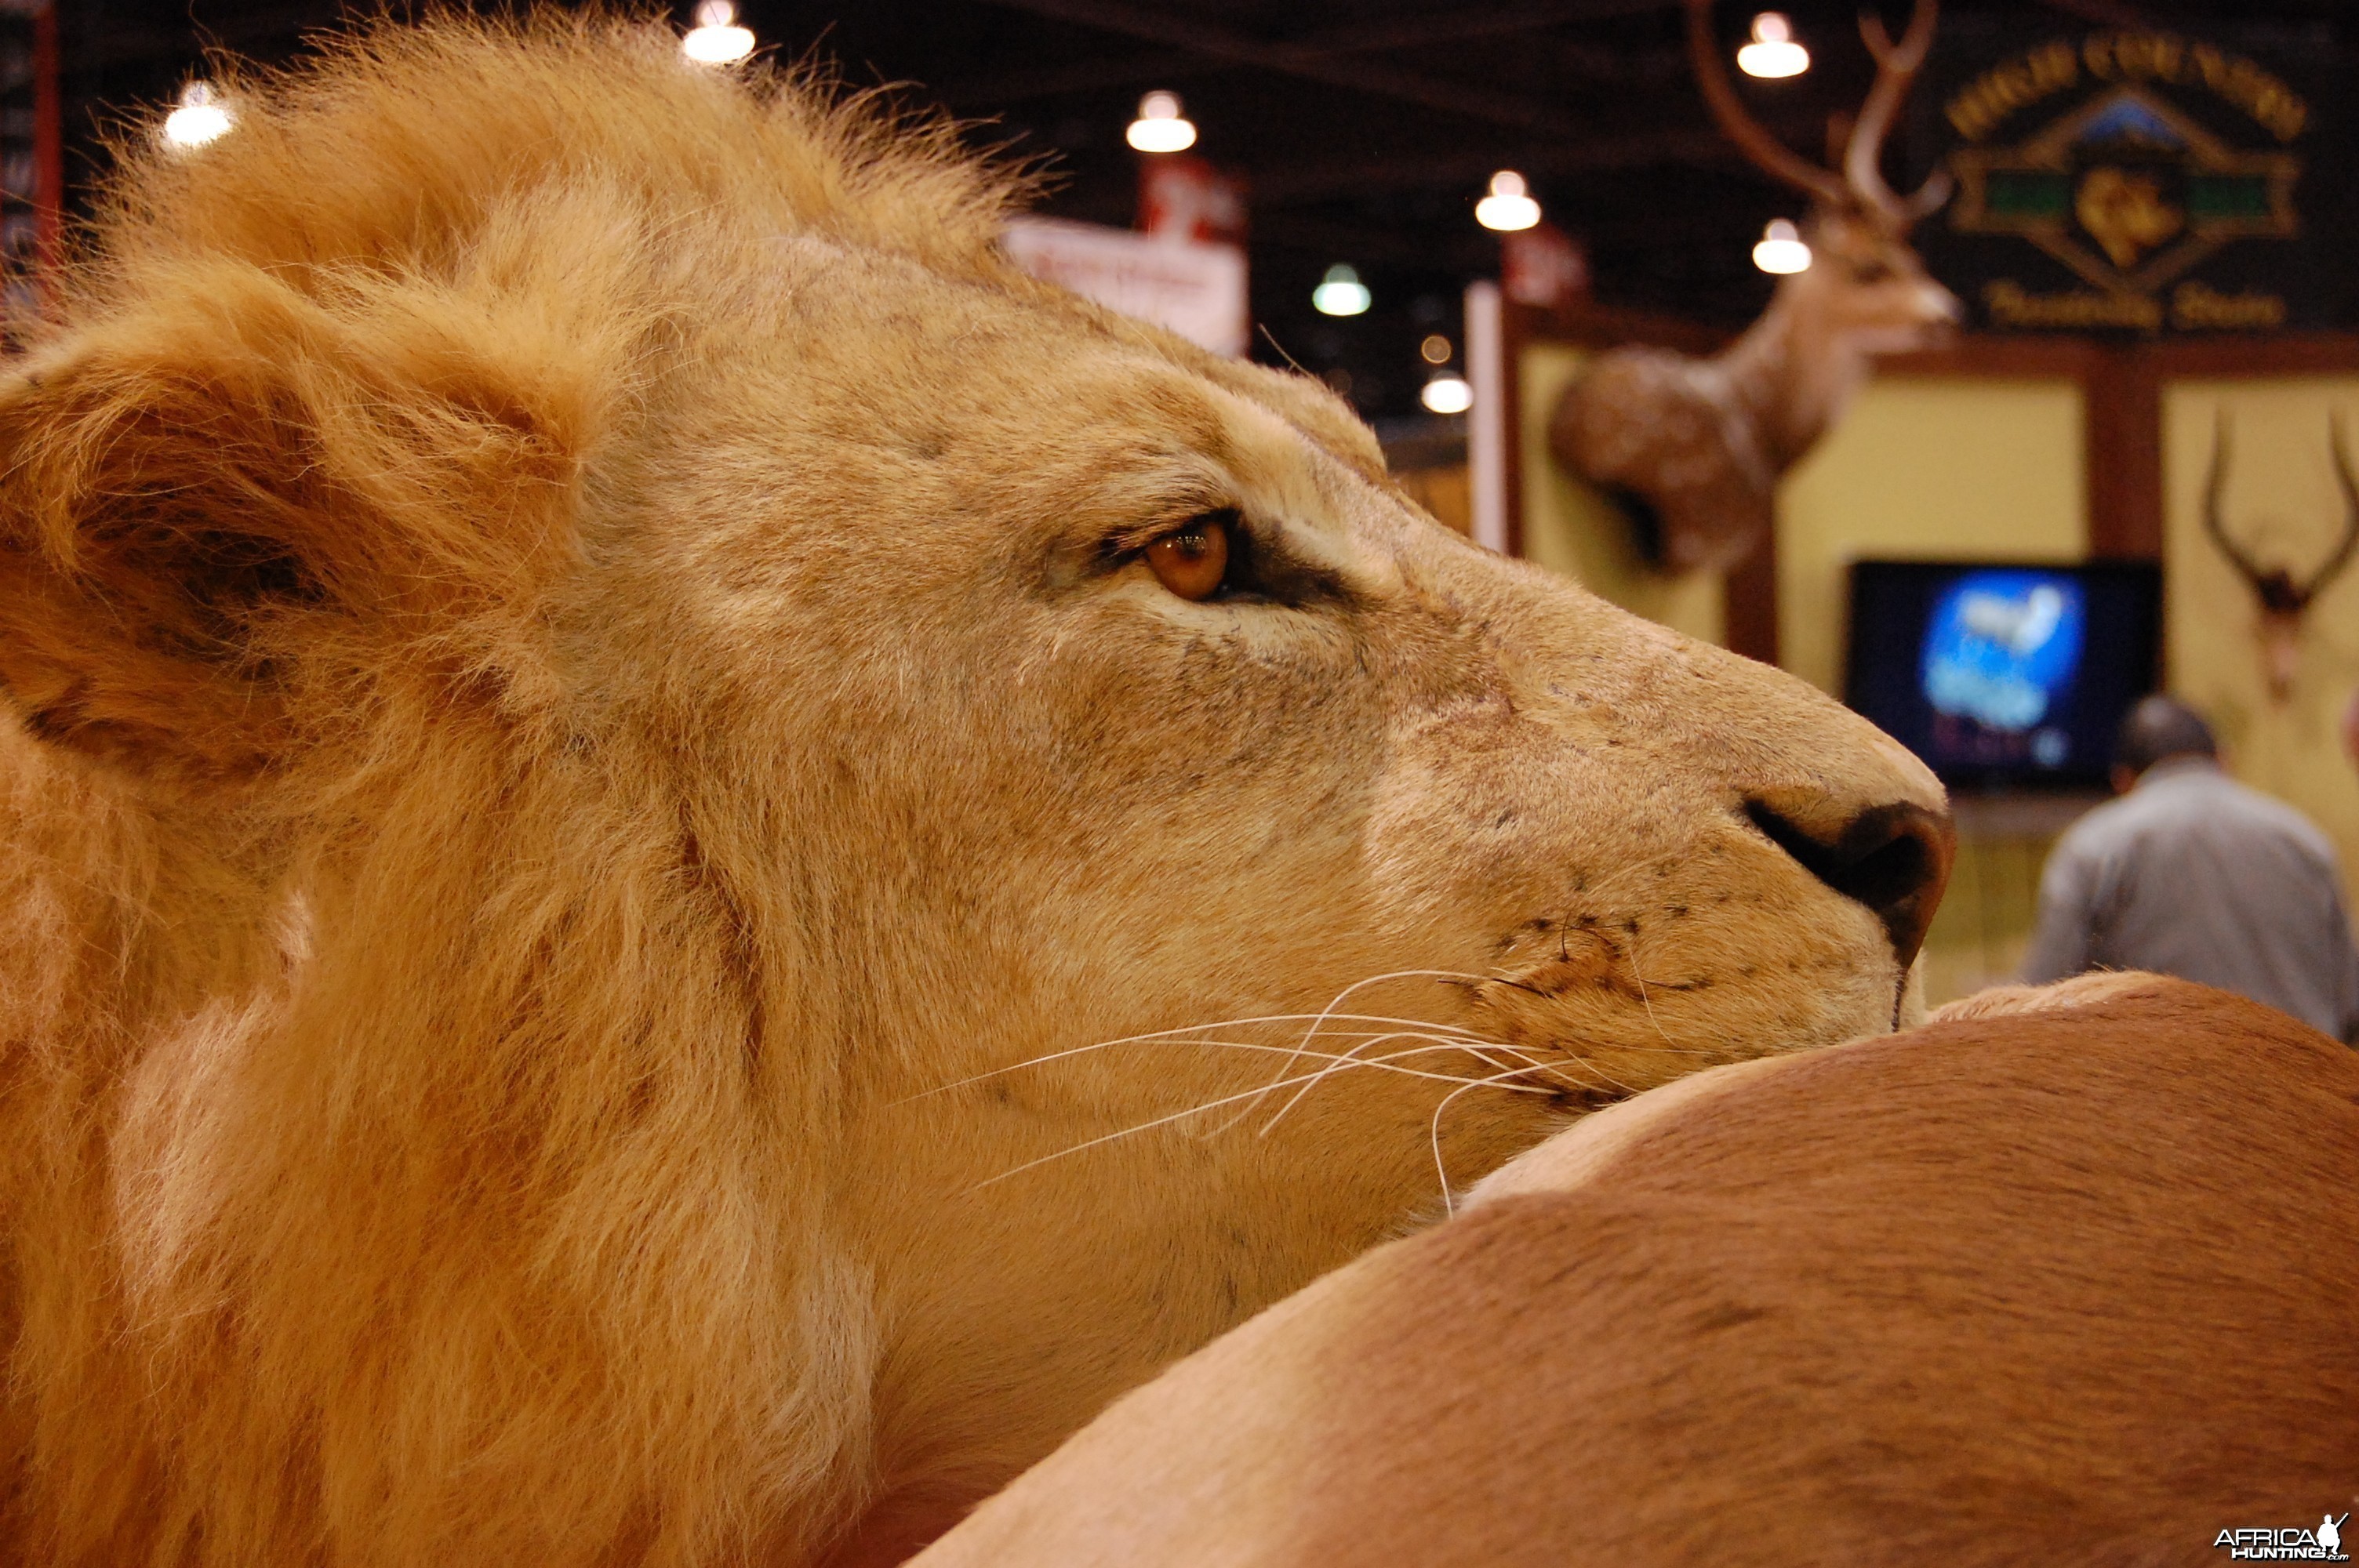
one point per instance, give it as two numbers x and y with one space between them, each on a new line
2215 484
2341 558
2283 600
1897 66
2279 592
1862 180
1752 138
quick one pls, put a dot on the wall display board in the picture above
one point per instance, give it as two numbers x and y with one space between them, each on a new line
2148 182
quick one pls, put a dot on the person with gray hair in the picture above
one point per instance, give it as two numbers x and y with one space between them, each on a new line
2192 874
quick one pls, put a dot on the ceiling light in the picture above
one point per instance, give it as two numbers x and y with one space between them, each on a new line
1341 292
1160 127
1781 249
1509 206
200 118
1447 394
1773 51
717 39
1435 350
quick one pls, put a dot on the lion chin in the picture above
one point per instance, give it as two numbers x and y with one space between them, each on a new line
685 866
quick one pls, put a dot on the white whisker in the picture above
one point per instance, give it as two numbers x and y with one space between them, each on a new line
1329 1011
1174 1036
1248 1094
1449 1207
1481 1050
1570 1070
1643 1000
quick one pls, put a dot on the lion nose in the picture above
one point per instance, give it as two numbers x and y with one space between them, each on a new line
1892 858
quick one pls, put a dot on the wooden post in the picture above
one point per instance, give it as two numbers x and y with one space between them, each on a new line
2122 410
1749 603
1490 424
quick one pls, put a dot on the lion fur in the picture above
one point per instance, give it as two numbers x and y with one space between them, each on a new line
573 699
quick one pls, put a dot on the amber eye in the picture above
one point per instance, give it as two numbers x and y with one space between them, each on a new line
1193 561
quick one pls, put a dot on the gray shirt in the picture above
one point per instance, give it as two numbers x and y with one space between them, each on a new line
2192 874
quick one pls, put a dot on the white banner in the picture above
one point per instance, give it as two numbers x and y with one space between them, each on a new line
1195 289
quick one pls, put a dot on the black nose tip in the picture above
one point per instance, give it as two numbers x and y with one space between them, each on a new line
1892 859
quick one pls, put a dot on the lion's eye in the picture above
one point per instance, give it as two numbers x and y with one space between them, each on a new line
1193 561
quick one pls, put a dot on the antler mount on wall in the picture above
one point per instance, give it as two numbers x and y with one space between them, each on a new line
2284 598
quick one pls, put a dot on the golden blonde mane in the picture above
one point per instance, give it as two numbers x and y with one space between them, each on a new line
452 260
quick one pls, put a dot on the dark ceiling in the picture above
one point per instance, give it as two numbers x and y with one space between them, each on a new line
1364 131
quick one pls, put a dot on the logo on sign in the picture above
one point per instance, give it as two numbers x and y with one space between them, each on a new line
2125 187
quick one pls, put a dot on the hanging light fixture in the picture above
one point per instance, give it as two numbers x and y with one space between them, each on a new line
1341 292
1509 206
1773 51
1780 248
201 117
717 39
1160 127
1447 392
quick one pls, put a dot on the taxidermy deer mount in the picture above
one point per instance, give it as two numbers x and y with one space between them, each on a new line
2284 598
1693 448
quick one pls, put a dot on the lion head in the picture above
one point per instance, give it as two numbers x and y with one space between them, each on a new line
683 862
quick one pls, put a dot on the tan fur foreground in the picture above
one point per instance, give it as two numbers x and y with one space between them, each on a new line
2076 1284
633 928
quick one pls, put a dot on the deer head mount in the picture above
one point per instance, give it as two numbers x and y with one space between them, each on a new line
1695 446
2284 597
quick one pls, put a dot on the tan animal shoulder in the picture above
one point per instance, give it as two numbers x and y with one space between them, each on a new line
683 868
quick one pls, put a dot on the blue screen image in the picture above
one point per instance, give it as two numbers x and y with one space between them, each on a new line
2001 647
2003 674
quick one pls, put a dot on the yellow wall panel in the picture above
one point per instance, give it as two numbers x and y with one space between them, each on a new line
1930 468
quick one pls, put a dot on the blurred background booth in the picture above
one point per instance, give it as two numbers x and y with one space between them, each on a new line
2155 370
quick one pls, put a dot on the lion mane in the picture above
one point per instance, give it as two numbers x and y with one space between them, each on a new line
438 258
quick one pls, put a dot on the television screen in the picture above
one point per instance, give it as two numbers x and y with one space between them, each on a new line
2003 676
